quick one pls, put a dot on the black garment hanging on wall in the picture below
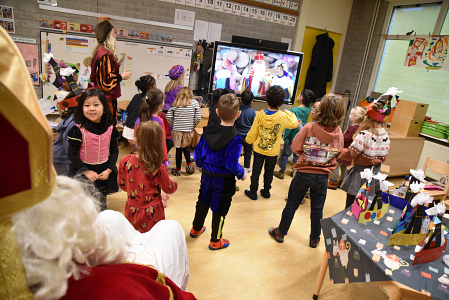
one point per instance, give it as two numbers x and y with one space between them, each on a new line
321 66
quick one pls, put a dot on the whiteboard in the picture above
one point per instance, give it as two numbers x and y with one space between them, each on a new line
140 58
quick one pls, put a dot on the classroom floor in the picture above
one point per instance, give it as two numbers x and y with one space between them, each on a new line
254 266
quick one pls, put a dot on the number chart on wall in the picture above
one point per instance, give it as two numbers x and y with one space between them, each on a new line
140 58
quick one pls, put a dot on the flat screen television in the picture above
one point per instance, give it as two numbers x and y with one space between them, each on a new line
241 67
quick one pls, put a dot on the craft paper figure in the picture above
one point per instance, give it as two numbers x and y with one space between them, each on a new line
73 26
417 177
343 252
415 50
392 261
335 248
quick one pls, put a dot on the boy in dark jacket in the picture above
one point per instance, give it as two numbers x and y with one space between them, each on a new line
243 125
217 154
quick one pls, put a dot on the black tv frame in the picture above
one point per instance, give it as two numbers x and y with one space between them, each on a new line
298 73
259 43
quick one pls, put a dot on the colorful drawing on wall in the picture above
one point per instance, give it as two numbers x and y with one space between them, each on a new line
427 53
73 26
30 54
145 35
77 44
86 28
7 19
123 33
133 34
7 12
46 23
60 25
156 37
167 38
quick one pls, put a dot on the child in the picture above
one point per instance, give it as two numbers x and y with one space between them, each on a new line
356 117
61 162
216 95
176 74
183 115
149 108
144 84
217 154
318 145
142 176
93 147
302 112
369 149
266 133
243 125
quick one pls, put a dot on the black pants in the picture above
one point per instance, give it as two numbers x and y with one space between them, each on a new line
179 152
215 193
247 152
349 200
169 144
270 163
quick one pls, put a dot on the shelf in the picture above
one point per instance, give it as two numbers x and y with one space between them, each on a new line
434 138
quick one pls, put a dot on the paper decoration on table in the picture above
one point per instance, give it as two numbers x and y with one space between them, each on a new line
413 226
433 246
342 250
378 209
417 176
391 261
427 53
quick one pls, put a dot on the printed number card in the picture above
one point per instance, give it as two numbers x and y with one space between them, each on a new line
245 11
277 2
292 21
182 2
262 14
210 4
236 9
285 3
284 19
294 5
227 7
269 16
171 1
268 1
253 13
277 18
190 2
199 3
218 5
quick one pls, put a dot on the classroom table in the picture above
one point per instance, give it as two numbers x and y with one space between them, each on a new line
350 258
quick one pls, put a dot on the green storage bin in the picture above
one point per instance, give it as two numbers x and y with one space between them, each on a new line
434 133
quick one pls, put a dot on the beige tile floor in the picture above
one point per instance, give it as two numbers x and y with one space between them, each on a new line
254 266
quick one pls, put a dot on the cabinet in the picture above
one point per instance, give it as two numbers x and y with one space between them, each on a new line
404 154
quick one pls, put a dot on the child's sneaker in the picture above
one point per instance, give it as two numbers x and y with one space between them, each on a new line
176 172
332 184
339 183
274 234
279 174
264 194
248 170
190 170
237 188
195 234
313 243
222 243
250 195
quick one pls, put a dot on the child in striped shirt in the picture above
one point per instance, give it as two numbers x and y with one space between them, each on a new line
184 115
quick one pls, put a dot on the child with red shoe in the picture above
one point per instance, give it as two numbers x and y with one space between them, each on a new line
217 154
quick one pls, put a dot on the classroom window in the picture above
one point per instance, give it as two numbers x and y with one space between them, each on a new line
445 28
420 85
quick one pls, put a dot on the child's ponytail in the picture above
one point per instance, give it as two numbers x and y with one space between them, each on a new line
150 103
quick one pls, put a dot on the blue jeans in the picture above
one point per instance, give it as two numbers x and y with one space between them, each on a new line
285 154
298 188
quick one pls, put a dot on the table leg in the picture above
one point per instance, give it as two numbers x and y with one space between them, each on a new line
319 280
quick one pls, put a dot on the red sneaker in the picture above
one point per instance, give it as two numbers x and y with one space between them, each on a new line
222 243
195 234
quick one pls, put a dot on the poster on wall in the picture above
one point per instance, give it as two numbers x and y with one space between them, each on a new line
7 19
48 2
427 53
30 55
76 43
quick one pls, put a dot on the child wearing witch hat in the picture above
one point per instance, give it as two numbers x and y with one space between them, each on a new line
370 146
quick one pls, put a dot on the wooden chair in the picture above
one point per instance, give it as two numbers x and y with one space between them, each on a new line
441 168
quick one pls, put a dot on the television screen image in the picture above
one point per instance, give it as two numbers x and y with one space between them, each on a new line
240 67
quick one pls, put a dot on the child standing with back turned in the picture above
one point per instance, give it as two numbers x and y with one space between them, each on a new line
302 112
143 176
93 148
318 144
183 115
369 148
217 154
243 125
266 134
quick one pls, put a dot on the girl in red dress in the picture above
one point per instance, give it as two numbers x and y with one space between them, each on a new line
143 176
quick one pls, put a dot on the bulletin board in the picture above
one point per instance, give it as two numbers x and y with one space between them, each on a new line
141 58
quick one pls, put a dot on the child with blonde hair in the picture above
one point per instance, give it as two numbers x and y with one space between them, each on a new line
184 115
318 144
143 175
369 148
356 117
